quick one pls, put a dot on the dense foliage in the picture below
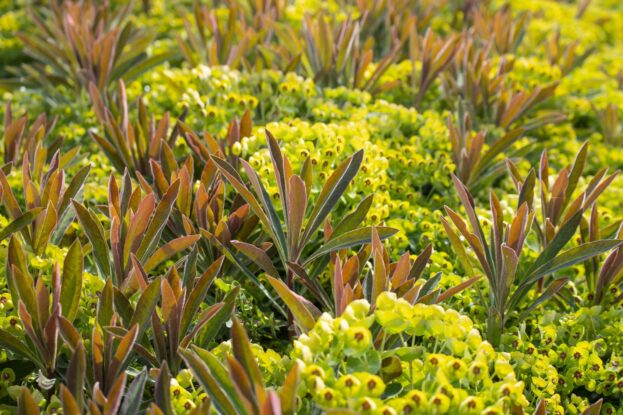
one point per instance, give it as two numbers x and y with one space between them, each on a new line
311 206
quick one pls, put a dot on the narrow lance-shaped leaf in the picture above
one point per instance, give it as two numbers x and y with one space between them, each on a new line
158 221
210 385
95 232
26 404
198 293
355 218
105 304
68 402
133 396
71 281
20 223
297 200
552 289
257 255
76 373
594 409
304 312
122 355
331 192
170 249
564 234
12 343
145 306
211 322
288 391
575 255
162 395
243 353
349 239
76 184
269 207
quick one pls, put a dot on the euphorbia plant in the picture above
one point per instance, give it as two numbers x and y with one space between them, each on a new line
203 209
47 199
110 352
335 53
238 387
82 42
40 308
502 28
476 164
205 145
237 41
136 226
511 278
434 55
294 236
19 138
558 201
130 145
602 276
353 280
481 82
181 321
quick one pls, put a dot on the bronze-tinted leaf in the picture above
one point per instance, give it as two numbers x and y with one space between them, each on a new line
71 280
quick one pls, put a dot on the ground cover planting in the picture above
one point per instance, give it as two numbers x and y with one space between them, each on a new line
311 206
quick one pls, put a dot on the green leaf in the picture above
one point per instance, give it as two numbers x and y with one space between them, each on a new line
95 232
170 249
302 311
564 234
105 304
26 404
248 274
242 352
209 383
145 306
331 192
234 179
12 343
269 207
19 223
162 392
349 239
15 258
198 293
355 218
217 320
133 396
575 255
25 291
44 229
430 285
551 291
576 170
566 259
71 281
76 184
457 289
257 255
